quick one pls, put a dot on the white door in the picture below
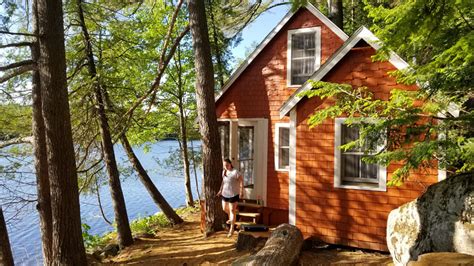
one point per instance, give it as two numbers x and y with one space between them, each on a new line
245 142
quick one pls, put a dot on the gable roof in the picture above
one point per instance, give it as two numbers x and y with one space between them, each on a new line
341 34
361 34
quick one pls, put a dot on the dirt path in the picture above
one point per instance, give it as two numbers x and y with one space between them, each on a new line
185 245
181 245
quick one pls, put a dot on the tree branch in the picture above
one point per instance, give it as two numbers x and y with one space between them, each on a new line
16 72
17 64
156 83
17 33
18 44
15 141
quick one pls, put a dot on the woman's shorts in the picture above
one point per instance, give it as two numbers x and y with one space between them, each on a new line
231 199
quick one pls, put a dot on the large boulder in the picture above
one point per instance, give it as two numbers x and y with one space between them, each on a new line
441 220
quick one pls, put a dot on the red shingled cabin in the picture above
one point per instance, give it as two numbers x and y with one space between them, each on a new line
299 173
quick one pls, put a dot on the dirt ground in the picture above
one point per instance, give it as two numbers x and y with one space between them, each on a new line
185 245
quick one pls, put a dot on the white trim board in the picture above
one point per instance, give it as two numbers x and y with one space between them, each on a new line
361 34
271 35
292 175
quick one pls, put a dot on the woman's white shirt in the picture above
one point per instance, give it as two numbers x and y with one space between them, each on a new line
231 184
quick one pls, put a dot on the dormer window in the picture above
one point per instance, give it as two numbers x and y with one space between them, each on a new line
304 54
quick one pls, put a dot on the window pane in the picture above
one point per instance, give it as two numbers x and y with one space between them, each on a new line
284 157
309 66
284 135
298 53
349 133
224 138
309 41
297 41
299 79
350 166
369 171
246 153
297 67
245 143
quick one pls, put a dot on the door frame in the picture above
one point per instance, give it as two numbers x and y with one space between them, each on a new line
260 152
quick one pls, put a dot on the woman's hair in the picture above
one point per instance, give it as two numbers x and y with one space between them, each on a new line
227 160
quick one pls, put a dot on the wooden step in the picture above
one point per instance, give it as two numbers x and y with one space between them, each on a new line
249 205
243 223
249 214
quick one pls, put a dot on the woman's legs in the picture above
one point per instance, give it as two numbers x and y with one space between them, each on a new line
225 208
232 216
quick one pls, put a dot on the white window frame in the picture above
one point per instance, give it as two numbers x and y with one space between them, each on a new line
277 146
382 171
317 52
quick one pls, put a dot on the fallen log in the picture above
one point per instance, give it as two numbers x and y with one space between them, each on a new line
282 248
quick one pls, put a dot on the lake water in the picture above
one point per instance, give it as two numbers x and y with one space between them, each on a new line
24 231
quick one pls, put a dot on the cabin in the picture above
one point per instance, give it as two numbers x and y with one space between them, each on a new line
297 172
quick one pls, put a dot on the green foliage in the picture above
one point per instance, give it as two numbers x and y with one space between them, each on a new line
92 242
355 12
15 120
153 223
434 123
150 224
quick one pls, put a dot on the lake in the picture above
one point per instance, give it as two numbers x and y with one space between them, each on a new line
24 232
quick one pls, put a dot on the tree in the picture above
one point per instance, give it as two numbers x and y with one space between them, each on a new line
99 82
211 152
6 257
226 20
40 154
434 123
336 13
121 218
67 244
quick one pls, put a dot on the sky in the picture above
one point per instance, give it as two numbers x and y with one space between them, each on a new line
258 30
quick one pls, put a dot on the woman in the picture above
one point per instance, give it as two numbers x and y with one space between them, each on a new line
232 188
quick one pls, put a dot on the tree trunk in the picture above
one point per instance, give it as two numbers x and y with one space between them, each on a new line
40 153
121 218
184 154
193 158
211 150
336 13
6 257
217 51
282 248
148 183
183 134
67 244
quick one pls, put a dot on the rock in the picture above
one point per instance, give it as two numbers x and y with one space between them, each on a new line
110 250
443 258
282 248
441 220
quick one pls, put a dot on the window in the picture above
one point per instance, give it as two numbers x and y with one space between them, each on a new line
282 146
350 170
223 128
304 54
